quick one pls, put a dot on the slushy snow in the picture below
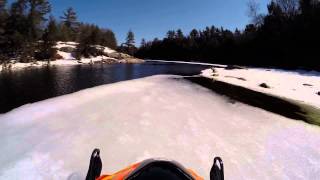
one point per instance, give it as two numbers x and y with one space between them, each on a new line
159 116
300 86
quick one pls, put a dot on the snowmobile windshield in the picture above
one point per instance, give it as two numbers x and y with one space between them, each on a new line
159 170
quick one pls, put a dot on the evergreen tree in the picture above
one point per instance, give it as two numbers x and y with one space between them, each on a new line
49 38
179 34
24 36
71 24
16 26
108 38
24 27
194 34
171 35
130 39
143 43
3 21
288 33
130 47
90 37
38 9
3 16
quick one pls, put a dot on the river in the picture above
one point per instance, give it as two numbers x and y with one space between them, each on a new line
35 84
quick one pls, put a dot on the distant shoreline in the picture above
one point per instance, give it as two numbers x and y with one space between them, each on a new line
63 62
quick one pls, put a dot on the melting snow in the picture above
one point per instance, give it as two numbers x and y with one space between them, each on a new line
159 116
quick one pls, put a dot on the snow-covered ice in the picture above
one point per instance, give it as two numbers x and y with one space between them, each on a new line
159 116
299 85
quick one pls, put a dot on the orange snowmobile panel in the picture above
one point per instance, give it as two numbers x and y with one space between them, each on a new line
121 175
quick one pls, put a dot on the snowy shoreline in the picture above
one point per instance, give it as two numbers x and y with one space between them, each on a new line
299 86
65 62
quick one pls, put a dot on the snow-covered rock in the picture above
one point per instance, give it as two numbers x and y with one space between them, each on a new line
160 116
288 84
61 44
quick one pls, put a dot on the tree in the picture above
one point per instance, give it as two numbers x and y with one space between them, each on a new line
194 34
70 23
171 35
288 7
38 9
49 38
130 41
179 34
305 6
253 12
16 26
274 9
143 42
90 37
24 27
25 34
108 38
3 21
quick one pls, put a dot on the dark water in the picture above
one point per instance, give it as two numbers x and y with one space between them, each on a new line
35 84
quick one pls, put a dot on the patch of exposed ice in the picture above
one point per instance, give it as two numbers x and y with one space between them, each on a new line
130 121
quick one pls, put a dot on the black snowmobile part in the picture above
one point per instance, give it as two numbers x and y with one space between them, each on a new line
95 166
217 171
152 169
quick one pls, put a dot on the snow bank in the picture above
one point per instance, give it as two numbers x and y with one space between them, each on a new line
300 86
154 117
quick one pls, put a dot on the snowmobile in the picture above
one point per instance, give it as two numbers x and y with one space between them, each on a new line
152 169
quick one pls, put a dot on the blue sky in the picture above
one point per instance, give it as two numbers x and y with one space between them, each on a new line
153 18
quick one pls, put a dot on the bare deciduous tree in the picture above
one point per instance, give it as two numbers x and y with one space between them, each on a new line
289 7
253 12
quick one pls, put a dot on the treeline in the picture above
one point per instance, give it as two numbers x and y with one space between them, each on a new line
28 32
287 36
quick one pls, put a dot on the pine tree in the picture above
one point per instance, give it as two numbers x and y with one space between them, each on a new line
3 16
63 32
16 26
143 43
194 34
38 9
179 34
130 39
49 37
3 20
171 35
70 21
130 43
88 39
108 39
24 27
